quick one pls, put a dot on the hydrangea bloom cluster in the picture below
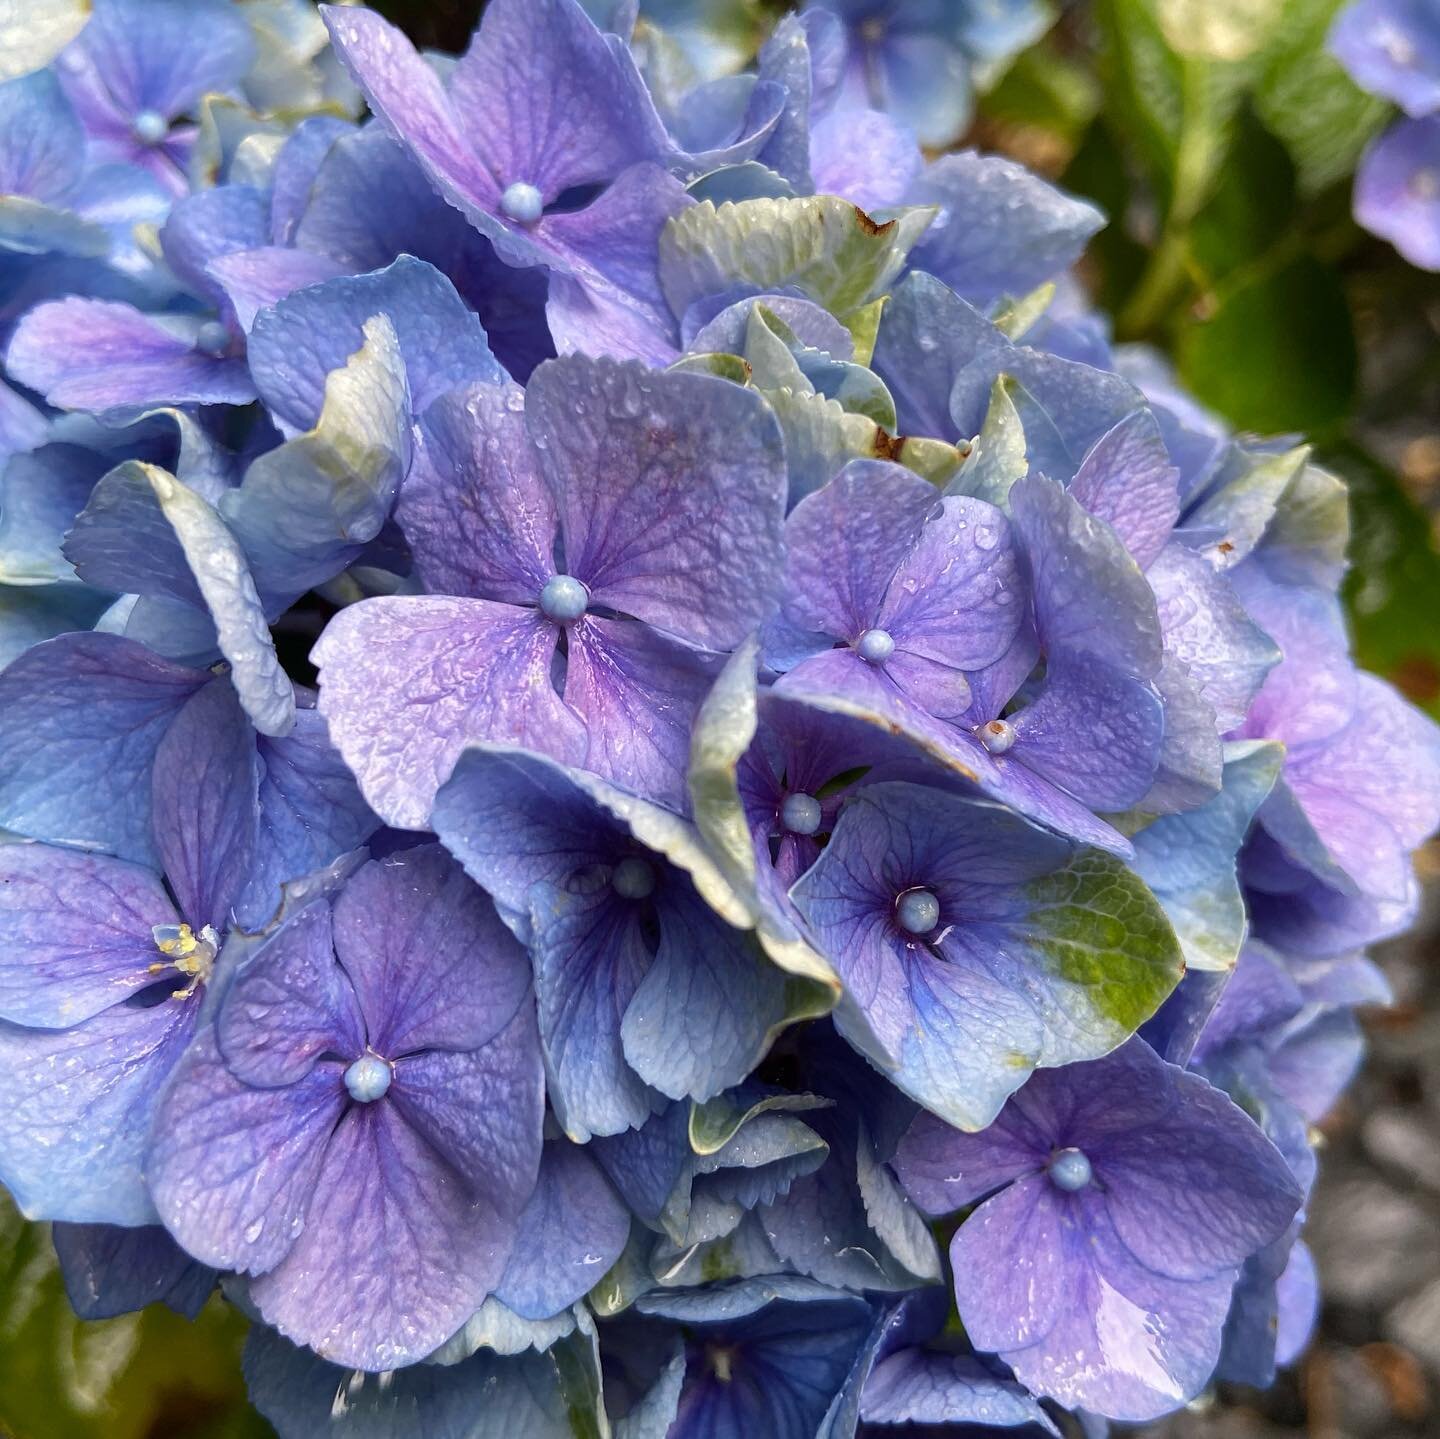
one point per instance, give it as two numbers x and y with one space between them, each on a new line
646 789
1392 49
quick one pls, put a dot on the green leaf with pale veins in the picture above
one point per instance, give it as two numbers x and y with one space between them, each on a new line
1107 952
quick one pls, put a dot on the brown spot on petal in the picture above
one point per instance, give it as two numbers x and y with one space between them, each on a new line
888 446
870 226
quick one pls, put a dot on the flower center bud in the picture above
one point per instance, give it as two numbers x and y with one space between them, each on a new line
875 646
563 599
150 127
633 879
212 338
192 954
917 911
522 203
1070 1170
800 814
997 736
368 1079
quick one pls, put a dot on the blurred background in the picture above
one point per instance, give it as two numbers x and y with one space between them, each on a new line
1221 139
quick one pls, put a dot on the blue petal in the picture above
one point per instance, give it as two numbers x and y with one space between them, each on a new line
295 346
109 1270
571 1231
80 719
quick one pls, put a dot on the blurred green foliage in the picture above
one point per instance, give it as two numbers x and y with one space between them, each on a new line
142 1376
1220 138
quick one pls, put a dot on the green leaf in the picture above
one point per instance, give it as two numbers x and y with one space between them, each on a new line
1278 353
1251 207
1219 29
1393 590
1306 99
1046 89
824 246
1176 108
126 1378
1102 940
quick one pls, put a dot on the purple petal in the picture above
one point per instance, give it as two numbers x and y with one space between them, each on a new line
1199 1190
206 803
1391 48
478 516
209 224
80 719
914 1387
311 812
99 354
590 957
1012 1253
109 1270
255 279
1298 1292
1206 628
483 1109
572 1230
957 598
671 492
1397 190
637 693
708 1006
42 147
474 979
165 54
865 155
1001 230
1029 793
233 1168
547 100
845 542
1090 598
1310 694
1316 1061
1093 732
613 303
1126 1343
1127 479
943 1169
395 1254
296 169
75 933
309 334
409 97
289 1006
407 682
80 1107
1372 791
514 819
